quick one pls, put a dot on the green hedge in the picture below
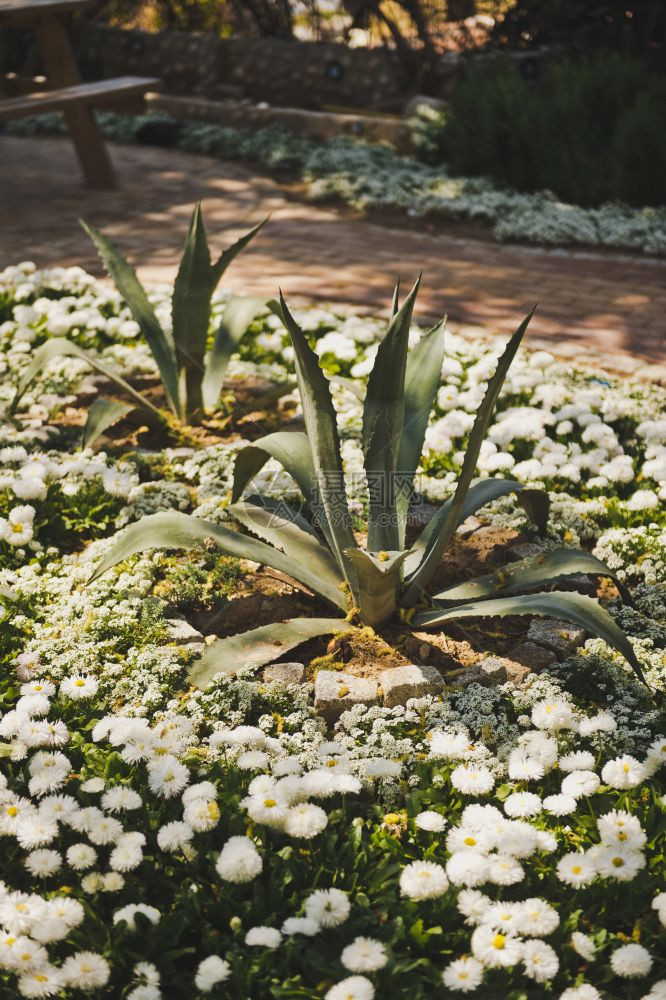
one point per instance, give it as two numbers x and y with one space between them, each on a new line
590 131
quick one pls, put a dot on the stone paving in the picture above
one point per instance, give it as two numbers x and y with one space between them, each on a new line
608 305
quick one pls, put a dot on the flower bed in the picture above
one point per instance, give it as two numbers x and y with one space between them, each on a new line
163 841
374 177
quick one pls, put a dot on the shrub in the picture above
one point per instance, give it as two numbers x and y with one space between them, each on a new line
589 131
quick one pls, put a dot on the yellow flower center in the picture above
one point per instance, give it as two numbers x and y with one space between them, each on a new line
499 941
12 811
470 841
618 862
18 527
79 683
269 803
576 869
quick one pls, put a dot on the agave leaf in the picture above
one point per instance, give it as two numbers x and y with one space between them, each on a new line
583 611
173 530
103 413
383 417
479 494
290 448
280 527
240 311
322 433
190 313
395 301
229 255
438 543
422 378
355 388
535 571
260 645
281 509
132 291
378 584
57 347
536 504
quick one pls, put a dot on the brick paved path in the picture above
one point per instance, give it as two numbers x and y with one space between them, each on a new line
610 304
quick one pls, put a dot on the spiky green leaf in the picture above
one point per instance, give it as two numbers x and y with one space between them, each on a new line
103 413
260 645
57 347
239 312
383 417
282 528
378 584
527 574
422 379
229 255
322 432
585 612
438 542
479 494
132 291
173 530
190 314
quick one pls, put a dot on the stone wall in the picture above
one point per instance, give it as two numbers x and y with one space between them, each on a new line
299 74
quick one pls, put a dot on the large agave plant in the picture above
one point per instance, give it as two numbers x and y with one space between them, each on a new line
192 379
318 548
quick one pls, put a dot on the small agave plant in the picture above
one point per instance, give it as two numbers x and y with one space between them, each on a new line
191 378
319 550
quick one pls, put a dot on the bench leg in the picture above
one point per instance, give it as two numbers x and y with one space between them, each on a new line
62 71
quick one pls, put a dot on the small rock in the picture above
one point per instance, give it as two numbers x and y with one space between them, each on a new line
469 526
534 657
492 670
284 673
182 633
335 693
525 550
488 672
560 637
402 683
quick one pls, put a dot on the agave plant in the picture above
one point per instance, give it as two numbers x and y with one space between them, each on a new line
192 379
319 549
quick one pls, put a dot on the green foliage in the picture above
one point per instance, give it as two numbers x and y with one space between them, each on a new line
192 380
588 130
317 546
203 582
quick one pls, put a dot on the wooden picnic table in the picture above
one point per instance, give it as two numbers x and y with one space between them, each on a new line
64 90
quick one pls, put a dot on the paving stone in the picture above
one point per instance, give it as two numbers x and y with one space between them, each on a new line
413 681
335 693
284 673
182 633
306 242
560 637
534 657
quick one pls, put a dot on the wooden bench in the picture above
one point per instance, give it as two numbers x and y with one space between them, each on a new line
64 89
115 92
